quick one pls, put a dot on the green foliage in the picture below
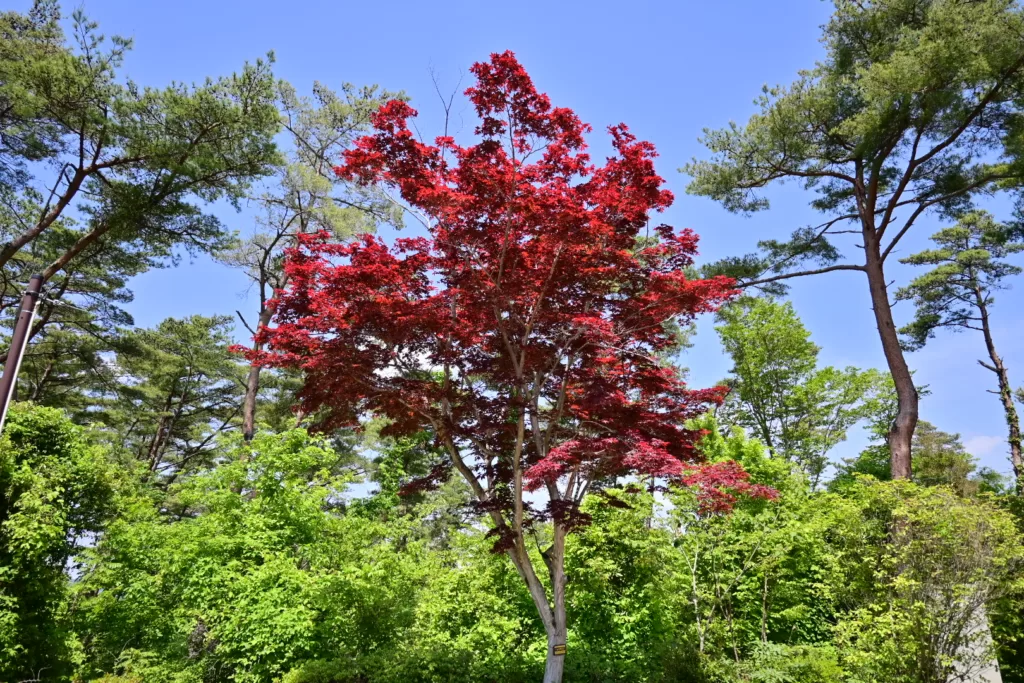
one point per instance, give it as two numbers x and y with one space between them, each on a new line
624 622
305 197
968 269
913 108
256 574
920 566
178 388
780 663
798 410
31 47
112 179
142 538
263 574
474 622
866 585
1007 613
958 293
56 491
940 459
259 571
398 461
753 575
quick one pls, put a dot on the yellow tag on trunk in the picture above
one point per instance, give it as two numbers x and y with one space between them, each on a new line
559 650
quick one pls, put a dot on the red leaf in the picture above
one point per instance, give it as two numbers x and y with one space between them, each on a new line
530 298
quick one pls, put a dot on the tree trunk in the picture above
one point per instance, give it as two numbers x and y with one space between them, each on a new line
555 664
155 452
764 610
252 387
1005 395
1013 426
38 389
901 432
252 382
75 249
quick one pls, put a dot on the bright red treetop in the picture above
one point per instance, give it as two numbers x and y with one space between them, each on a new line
525 331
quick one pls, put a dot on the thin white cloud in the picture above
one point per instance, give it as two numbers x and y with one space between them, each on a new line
980 446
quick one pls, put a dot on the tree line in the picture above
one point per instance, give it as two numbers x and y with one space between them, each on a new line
472 453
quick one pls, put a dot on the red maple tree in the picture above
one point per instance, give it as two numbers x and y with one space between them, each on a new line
527 333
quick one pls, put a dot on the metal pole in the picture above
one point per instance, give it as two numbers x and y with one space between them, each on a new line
18 341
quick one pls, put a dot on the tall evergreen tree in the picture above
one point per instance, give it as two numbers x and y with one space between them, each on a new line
178 388
969 266
308 196
915 107
101 178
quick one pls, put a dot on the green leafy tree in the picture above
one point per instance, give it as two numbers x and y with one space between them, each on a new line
865 584
942 460
916 601
474 620
397 461
968 267
1007 613
625 624
748 579
796 409
259 573
57 490
868 584
915 107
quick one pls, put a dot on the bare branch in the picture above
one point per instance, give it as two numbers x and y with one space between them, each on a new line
802 273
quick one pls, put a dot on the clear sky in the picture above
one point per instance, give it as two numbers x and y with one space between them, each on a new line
666 69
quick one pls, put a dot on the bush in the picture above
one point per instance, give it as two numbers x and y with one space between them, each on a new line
919 567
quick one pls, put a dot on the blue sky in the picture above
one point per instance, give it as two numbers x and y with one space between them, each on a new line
667 69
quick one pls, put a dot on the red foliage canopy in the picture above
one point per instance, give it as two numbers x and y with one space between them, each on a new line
525 331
